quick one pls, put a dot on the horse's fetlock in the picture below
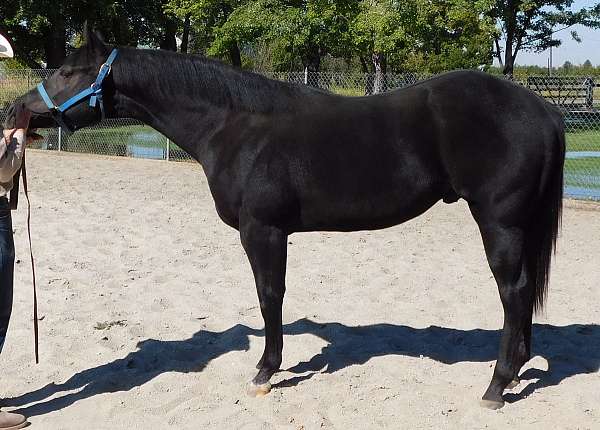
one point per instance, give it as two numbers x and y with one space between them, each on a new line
504 372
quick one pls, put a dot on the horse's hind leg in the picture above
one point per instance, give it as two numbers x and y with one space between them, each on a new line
505 250
266 248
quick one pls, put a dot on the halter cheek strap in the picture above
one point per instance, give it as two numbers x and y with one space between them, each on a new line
94 92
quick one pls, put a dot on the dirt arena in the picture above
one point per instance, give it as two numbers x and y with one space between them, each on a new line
149 317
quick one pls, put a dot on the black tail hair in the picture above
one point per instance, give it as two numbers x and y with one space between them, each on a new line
547 220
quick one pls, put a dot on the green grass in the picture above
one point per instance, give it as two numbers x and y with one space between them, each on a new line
348 91
584 141
103 131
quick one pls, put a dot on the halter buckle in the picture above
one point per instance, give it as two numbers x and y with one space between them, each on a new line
103 65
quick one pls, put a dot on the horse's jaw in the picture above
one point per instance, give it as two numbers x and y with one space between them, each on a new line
31 101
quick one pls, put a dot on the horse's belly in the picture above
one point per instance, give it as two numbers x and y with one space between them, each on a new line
347 211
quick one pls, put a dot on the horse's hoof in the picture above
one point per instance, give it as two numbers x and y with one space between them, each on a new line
491 404
259 390
512 384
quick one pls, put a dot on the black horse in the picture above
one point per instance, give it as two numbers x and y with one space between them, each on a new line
283 158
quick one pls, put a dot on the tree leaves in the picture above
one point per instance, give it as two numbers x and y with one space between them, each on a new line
283 35
533 24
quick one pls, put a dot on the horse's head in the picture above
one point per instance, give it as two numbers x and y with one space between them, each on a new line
79 71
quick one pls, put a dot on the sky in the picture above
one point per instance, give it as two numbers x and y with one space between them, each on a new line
570 50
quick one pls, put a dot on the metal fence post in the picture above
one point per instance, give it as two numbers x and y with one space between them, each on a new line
168 154
59 139
589 92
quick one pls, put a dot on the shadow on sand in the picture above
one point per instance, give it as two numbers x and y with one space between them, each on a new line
570 350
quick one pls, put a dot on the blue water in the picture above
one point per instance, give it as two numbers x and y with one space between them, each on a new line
138 145
582 193
154 153
582 154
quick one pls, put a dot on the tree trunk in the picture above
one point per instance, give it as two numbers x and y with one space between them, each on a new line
498 51
368 77
363 65
509 65
55 41
380 64
185 37
510 18
234 55
169 42
120 30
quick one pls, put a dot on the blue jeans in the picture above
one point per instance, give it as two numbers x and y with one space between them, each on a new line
7 265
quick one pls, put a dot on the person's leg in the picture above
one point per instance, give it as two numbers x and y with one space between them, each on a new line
7 261
8 420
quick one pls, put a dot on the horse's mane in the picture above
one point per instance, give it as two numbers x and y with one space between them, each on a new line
197 76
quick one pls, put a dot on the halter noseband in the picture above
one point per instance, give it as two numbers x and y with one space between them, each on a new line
94 92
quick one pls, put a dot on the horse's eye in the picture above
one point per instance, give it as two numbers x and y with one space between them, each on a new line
66 73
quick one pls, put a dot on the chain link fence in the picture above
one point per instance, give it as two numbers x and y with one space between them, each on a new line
120 137
350 84
577 97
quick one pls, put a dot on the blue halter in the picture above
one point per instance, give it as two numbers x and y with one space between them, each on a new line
94 92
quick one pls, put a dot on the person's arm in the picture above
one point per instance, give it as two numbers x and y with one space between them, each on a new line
13 154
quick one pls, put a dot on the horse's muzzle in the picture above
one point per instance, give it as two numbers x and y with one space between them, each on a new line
38 120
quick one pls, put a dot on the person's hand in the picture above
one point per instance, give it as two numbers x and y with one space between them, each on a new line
22 117
8 135
18 133
15 133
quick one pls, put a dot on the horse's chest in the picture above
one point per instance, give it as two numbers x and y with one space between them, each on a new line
227 197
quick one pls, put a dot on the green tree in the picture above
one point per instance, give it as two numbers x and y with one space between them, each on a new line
44 31
40 29
532 24
378 32
451 34
420 35
208 17
139 22
304 30
28 47
567 66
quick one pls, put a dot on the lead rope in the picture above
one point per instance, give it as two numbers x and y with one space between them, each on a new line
35 312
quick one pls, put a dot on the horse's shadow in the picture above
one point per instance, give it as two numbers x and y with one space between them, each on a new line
570 350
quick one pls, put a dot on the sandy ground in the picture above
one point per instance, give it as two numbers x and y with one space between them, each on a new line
149 317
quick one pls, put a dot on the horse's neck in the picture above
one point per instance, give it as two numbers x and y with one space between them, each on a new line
188 98
163 100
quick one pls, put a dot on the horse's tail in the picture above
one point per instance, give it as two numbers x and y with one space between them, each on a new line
547 217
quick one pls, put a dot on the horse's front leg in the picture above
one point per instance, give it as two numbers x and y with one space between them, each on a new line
266 247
